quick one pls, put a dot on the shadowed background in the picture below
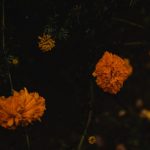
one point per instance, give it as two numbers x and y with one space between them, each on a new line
62 76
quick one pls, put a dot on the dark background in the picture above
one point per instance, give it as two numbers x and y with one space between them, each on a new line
63 75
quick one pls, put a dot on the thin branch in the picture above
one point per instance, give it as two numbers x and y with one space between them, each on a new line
27 140
128 22
7 64
89 118
135 43
85 130
3 46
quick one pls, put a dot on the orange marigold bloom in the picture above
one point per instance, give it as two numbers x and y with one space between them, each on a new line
21 109
111 71
46 43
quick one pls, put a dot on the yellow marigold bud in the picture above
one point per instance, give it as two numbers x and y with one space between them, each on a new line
46 43
92 140
13 60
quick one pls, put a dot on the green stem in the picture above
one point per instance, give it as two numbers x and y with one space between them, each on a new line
128 22
85 130
27 140
7 64
89 117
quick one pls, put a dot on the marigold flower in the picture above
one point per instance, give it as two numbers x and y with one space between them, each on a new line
111 71
10 116
46 43
21 109
92 140
15 61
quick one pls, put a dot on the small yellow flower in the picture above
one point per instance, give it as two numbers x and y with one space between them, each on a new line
92 140
46 42
13 60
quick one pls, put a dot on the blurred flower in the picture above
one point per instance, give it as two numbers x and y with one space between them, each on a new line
98 140
145 113
149 53
139 103
120 147
46 43
15 61
21 109
111 71
121 113
92 140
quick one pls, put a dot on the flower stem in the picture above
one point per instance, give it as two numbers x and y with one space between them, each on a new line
89 117
3 47
27 140
85 130
6 61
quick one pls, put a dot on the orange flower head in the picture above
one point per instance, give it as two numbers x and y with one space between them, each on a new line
21 109
10 116
46 43
111 71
